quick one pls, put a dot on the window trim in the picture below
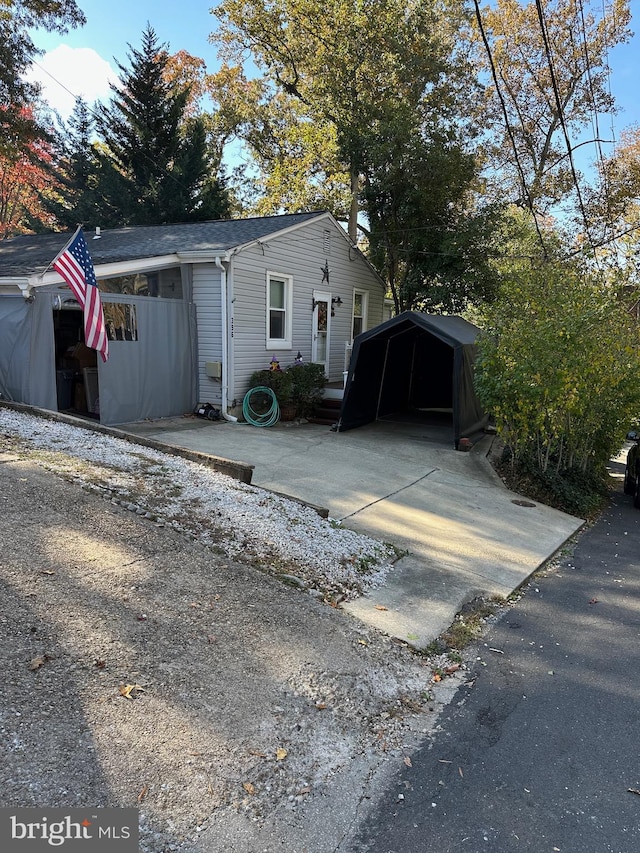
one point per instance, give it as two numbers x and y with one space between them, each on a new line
365 310
286 342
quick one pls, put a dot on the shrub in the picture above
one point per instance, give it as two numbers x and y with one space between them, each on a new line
280 382
308 381
558 370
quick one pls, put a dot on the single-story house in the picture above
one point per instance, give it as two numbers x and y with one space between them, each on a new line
416 364
192 310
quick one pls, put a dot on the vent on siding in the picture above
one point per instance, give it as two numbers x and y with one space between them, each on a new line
326 241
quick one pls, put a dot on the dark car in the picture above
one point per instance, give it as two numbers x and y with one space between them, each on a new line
632 469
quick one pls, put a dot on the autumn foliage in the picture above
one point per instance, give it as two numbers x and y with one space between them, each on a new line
23 177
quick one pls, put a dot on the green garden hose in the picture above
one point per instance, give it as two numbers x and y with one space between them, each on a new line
270 416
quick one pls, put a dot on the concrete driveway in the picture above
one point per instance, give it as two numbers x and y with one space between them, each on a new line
403 483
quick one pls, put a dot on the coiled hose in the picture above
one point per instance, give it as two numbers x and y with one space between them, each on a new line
261 419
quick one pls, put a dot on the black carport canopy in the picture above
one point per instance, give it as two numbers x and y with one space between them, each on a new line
414 362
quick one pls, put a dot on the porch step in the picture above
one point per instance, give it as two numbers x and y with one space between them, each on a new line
328 412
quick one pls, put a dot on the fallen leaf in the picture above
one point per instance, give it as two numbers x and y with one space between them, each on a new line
453 668
411 704
99 663
143 793
249 787
407 761
281 754
306 790
321 706
36 663
127 689
381 607
363 642
437 677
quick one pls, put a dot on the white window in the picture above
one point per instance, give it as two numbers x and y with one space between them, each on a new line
279 305
360 304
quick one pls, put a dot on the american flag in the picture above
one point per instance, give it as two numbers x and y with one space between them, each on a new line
75 266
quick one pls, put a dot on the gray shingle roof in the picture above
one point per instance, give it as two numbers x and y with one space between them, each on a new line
32 253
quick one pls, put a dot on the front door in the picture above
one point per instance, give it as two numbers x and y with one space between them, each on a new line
320 329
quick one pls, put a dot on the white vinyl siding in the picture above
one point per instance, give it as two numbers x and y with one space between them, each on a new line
301 254
206 295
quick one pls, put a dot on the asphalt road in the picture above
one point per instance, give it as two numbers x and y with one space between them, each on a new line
539 751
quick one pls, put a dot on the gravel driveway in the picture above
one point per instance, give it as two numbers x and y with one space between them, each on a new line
206 676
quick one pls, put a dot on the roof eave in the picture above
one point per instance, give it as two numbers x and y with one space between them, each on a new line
104 270
204 256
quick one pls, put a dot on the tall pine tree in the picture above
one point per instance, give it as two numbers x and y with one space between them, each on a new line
71 197
152 164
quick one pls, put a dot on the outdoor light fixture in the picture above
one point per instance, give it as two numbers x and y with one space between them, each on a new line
335 300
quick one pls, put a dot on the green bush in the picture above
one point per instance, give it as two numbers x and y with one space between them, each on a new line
580 493
280 382
300 385
558 369
308 381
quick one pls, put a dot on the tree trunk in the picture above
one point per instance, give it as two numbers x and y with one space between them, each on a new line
355 207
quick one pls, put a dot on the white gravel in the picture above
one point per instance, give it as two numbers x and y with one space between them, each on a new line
280 535
258 718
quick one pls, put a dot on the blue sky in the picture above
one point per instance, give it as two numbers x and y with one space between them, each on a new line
111 24
85 58
80 60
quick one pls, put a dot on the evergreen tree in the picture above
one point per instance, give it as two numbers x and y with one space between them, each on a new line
71 199
153 166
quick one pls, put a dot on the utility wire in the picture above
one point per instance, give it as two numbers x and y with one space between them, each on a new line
505 113
97 117
601 158
561 119
606 53
583 31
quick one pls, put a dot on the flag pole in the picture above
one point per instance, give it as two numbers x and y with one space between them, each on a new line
63 249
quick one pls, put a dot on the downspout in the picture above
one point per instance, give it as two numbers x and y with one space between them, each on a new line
225 341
